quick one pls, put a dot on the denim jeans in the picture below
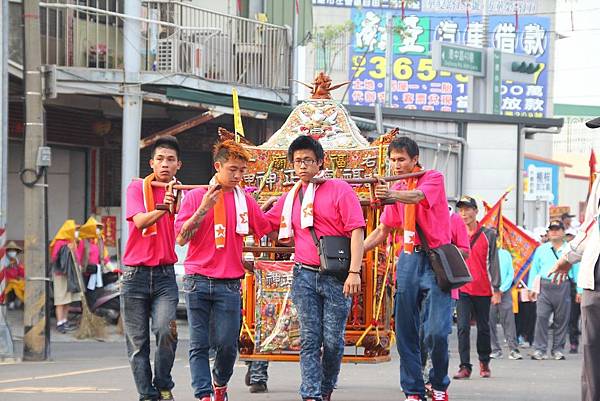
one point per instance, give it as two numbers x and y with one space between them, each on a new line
221 299
150 293
259 371
322 311
415 281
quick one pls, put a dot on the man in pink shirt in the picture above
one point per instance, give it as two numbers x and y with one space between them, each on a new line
418 204
214 221
148 287
322 301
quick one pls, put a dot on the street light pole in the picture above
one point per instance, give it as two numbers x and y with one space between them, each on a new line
132 108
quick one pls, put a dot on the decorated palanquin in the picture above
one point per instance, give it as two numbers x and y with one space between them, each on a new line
270 329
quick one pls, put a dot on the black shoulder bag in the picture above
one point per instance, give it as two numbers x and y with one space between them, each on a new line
447 263
334 252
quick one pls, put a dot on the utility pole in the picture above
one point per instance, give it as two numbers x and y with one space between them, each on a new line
36 341
132 107
6 344
476 90
389 60
293 83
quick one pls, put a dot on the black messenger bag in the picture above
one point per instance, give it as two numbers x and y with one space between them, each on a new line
447 263
334 252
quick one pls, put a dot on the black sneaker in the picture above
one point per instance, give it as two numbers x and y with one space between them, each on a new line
258 388
165 395
65 328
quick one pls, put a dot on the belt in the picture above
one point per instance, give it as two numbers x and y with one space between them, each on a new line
312 268
196 276
419 248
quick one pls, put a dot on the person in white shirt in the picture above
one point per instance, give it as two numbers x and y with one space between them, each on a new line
585 248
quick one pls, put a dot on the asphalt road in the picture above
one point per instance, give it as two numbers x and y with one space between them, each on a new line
97 371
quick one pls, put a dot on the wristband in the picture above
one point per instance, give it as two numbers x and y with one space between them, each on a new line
351 272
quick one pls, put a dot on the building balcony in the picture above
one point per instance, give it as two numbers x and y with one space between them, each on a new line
182 45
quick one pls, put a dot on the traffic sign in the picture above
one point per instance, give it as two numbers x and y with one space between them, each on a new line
458 58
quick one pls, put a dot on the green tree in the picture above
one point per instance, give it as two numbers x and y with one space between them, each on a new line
329 41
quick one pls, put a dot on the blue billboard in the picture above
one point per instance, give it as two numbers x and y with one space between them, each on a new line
415 84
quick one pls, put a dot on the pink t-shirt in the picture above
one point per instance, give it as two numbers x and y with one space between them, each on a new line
336 209
432 212
56 248
154 250
203 257
458 229
93 253
460 238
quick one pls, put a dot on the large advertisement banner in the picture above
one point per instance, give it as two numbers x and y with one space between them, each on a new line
415 85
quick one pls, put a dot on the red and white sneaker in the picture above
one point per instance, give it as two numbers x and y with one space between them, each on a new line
220 393
440 395
414 397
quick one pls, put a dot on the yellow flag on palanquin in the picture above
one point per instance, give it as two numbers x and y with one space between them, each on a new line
237 116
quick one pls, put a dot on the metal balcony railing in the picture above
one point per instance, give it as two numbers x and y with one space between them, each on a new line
177 38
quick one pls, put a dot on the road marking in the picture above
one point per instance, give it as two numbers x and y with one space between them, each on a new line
58 390
65 374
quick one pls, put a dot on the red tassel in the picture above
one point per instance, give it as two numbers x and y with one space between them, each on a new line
468 16
402 10
516 16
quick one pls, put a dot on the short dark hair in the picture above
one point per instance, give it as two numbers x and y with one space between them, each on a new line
404 143
168 142
305 142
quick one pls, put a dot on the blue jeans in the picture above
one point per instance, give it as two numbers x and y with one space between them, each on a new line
259 371
415 280
322 311
221 299
150 293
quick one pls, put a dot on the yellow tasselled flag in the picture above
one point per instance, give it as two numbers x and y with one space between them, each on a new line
237 116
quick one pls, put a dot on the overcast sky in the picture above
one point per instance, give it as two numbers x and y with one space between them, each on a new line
577 63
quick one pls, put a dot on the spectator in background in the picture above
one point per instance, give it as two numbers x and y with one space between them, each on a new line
12 277
566 220
551 298
476 297
503 312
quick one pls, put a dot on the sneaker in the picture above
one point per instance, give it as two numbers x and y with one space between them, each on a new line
538 356
413 397
439 395
496 355
484 370
558 356
220 393
165 395
574 349
71 326
65 328
463 373
258 388
515 354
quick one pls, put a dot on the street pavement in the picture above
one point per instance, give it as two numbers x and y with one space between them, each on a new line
94 371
